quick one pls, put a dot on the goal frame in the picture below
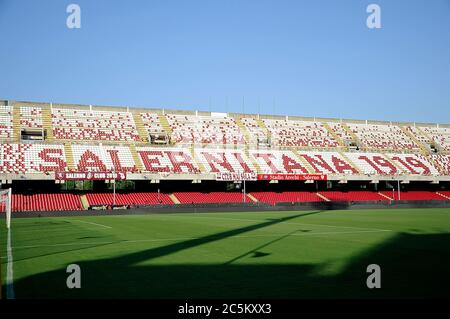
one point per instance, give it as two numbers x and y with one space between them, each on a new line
8 203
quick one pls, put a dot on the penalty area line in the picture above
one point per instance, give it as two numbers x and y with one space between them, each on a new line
85 222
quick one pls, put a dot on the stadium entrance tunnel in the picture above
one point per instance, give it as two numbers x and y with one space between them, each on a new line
144 274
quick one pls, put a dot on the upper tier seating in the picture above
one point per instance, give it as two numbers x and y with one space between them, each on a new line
212 197
439 135
93 125
413 195
286 197
350 196
419 135
30 117
341 132
300 134
128 198
204 129
151 122
45 202
383 137
6 122
256 132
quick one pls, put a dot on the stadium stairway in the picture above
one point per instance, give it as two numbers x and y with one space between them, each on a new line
443 195
47 121
397 166
136 159
424 133
143 133
323 197
254 162
196 160
350 161
333 133
253 198
174 199
350 132
385 196
69 156
84 202
304 162
262 125
165 124
416 195
337 196
16 123
422 147
244 131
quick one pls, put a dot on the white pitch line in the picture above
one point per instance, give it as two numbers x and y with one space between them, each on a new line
193 238
343 232
9 269
288 223
82 221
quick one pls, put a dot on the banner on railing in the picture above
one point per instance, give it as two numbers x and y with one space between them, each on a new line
230 177
68 176
292 177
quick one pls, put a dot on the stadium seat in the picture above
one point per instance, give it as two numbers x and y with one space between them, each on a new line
413 195
286 197
300 134
352 196
187 129
383 137
31 117
77 124
128 198
212 197
45 202
6 122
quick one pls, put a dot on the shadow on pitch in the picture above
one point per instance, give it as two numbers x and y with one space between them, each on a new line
412 265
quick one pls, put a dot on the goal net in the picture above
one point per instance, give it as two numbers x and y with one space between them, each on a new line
5 205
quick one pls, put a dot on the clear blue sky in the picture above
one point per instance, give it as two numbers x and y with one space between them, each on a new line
310 58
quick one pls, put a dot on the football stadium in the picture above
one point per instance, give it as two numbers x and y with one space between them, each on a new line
228 157
178 203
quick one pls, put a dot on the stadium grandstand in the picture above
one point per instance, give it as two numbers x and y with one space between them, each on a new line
79 157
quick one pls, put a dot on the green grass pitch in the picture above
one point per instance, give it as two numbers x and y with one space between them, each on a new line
316 254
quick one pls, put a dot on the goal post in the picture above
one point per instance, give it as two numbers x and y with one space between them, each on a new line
6 203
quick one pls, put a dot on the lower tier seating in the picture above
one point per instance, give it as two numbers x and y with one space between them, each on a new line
352 196
45 202
65 202
128 199
284 197
212 197
414 195
445 193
